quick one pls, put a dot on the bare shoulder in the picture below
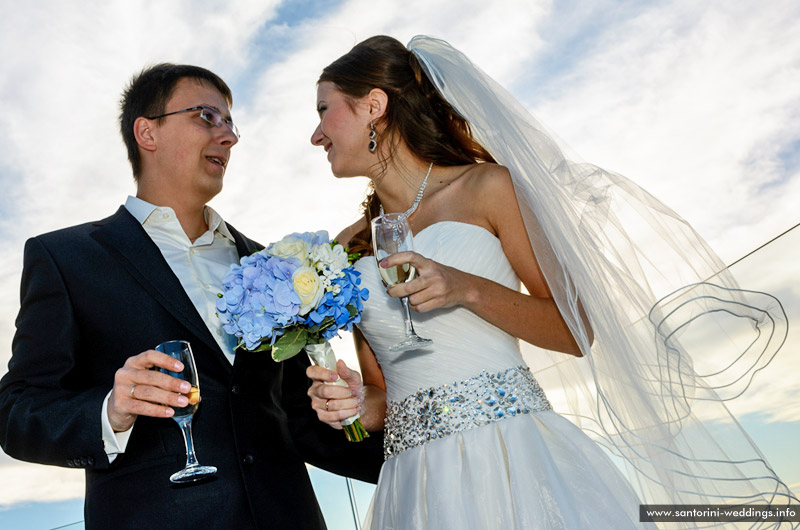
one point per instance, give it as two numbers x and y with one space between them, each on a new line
488 178
490 189
348 233
475 194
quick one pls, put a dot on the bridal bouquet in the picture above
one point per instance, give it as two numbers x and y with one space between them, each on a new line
297 293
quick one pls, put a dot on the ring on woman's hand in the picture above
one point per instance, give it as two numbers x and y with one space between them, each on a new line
133 386
326 403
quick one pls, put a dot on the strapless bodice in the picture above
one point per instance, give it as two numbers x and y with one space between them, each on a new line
463 343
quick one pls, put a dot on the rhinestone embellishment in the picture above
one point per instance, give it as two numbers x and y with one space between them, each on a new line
440 411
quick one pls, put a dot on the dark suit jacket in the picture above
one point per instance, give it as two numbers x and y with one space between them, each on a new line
92 296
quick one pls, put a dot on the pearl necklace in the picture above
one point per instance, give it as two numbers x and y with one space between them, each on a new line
419 194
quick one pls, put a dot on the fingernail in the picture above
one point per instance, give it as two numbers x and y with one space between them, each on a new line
383 263
178 366
183 401
334 377
169 412
185 387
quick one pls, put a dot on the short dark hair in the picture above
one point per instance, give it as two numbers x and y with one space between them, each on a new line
147 95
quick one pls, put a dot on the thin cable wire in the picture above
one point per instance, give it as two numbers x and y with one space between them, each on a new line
353 504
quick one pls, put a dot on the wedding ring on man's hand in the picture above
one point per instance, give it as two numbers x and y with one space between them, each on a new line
326 403
133 386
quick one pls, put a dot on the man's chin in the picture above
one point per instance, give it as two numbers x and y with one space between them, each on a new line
213 188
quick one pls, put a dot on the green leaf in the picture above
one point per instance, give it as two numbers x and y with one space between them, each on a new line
289 344
326 323
264 346
352 310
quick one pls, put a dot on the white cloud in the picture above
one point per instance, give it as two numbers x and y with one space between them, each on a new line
279 119
63 83
697 103
23 482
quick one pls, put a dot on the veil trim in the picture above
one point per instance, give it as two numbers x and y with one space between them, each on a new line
645 280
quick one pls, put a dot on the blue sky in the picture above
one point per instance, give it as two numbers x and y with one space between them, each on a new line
696 101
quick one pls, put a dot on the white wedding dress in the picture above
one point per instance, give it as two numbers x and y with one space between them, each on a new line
471 441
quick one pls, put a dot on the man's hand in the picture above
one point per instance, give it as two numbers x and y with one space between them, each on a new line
140 391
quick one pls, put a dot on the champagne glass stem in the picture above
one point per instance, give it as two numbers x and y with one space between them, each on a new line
186 430
407 315
412 340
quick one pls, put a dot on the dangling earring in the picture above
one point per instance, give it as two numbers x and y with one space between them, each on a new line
373 143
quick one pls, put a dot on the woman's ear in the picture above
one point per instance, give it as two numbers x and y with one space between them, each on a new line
377 101
144 134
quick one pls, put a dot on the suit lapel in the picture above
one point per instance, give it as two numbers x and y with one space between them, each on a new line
123 237
244 246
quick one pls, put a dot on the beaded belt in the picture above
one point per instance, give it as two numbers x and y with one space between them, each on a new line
447 409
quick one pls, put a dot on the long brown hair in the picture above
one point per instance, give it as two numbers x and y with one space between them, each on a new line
416 113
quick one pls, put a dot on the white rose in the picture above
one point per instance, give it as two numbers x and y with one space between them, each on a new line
291 247
308 287
332 258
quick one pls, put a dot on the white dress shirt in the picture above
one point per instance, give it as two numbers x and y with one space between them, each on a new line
200 267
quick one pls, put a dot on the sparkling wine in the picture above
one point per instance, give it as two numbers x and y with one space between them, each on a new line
182 351
397 274
191 408
391 235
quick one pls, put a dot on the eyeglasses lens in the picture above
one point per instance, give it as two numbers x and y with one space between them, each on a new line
212 117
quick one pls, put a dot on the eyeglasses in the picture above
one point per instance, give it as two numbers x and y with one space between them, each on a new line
208 114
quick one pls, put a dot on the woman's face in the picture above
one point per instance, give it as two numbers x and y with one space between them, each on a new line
343 132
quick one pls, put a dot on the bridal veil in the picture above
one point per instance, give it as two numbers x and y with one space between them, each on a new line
616 257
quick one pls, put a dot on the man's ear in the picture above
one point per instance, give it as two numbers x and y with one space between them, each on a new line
377 101
143 133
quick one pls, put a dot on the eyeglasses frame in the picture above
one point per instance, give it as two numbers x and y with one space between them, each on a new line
227 121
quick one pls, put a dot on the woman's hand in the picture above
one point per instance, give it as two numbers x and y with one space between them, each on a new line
434 286
334 403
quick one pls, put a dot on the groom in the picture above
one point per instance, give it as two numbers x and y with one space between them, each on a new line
96 298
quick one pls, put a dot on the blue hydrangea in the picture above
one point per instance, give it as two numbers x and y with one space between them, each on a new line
258 299
317 238
259 304
336 306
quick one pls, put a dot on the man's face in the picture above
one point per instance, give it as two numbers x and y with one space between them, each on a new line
191 154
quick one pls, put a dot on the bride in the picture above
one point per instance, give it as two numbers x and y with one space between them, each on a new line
471 438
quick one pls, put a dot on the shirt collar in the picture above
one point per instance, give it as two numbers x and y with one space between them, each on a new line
141 210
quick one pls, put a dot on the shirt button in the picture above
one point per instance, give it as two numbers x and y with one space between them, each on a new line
236 390
248 459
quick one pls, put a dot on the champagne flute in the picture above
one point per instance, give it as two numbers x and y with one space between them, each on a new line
390 235
180 350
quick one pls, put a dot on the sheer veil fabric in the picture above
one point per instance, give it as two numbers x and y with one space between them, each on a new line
617 258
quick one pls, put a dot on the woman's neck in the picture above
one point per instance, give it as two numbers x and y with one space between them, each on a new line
398 186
